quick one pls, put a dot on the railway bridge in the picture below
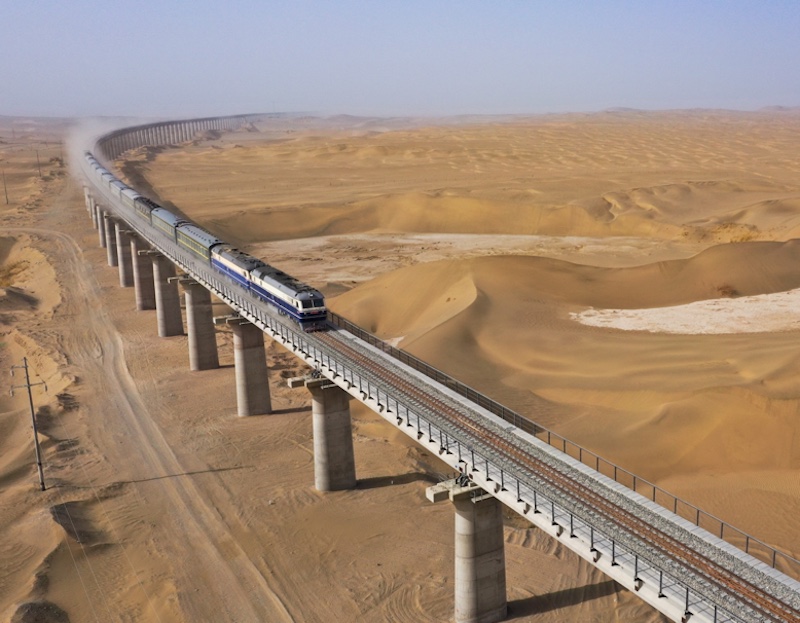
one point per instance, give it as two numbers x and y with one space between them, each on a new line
684 562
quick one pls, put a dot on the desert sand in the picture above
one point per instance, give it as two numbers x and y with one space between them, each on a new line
574 267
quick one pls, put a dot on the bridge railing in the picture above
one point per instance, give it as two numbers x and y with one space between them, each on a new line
753 546
736 537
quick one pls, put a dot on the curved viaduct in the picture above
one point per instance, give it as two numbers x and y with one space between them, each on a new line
671 554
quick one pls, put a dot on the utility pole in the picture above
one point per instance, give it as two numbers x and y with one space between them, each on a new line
28 386
5 188
38 164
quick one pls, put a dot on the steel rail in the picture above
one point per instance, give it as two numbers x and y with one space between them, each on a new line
736 586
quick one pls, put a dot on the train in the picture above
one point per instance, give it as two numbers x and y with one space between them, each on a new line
302 303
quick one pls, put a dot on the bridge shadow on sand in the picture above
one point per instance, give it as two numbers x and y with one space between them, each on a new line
561 599
119 483
402 479
212 470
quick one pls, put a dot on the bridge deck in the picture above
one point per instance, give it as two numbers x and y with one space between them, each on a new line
671 563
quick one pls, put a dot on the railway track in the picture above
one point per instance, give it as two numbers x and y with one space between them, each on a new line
745 598
741 590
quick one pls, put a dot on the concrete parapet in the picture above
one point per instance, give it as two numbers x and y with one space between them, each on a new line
124 262
111 239
200 326
334 461
252 386
480 568
168 304
142 275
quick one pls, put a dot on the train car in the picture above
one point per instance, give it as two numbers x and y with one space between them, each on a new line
291 297
129 196
117 186
143 207
234 263
106 178
91 160
294 298
196 240
166 222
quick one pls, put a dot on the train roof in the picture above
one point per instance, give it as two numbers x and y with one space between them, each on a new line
148 202
129 192
167 216
287 283
198 233
240 258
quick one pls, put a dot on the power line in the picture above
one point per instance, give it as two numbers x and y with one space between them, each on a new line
64 505
27 385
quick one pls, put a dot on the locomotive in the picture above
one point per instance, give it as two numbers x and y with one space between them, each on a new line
291 297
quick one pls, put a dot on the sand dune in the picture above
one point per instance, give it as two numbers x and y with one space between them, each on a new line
730 270
471 244
664 176
661 406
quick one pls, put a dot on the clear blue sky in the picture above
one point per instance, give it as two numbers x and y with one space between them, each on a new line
188 58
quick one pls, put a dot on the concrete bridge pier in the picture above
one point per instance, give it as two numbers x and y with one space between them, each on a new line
200 325
143 285
124 262
91 206
250 363
101 226
168 303
111 239
480 567
334 461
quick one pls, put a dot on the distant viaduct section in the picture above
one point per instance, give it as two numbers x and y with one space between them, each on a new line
115 143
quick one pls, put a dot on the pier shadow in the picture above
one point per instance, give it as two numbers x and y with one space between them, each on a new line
289 410
389 481
560 599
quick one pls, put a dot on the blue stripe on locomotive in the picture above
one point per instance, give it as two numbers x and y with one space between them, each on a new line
226 270
291 310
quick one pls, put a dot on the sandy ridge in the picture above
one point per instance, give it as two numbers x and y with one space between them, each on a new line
97 349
